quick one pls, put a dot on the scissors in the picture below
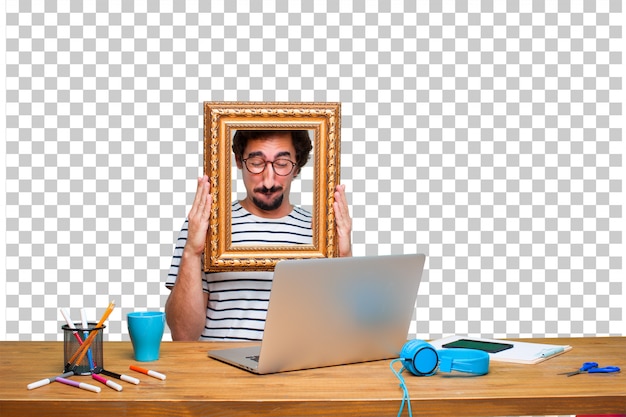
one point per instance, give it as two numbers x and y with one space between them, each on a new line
592 368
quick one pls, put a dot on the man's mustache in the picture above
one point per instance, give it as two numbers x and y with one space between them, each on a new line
267 191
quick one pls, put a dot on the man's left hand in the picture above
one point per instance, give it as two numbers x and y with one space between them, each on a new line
343 222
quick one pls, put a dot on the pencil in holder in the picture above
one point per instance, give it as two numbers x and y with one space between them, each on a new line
74 338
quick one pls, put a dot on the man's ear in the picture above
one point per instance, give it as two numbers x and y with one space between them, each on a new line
238 162
296 172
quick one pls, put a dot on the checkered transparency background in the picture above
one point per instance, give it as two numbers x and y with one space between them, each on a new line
486 134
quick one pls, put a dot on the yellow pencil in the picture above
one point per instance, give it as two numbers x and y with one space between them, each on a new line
82 350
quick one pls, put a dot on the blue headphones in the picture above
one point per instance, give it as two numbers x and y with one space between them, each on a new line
421 359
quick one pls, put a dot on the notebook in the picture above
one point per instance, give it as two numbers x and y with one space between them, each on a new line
333 311
520 352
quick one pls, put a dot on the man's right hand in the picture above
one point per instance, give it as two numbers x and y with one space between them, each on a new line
199 217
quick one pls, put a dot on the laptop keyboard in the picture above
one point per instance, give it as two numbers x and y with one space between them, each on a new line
254 358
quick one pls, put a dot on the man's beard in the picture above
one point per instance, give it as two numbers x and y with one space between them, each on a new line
268 206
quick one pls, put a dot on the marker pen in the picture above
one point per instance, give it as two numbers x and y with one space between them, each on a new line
70 324
149 372
107 382
121 377
46 381
85 323
81 385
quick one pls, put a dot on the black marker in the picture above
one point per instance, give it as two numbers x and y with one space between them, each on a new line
118 376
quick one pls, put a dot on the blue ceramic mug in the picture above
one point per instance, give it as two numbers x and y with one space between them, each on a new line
146 331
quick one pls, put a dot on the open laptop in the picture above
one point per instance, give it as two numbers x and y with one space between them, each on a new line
333 311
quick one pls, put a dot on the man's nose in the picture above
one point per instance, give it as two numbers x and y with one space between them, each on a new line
269 176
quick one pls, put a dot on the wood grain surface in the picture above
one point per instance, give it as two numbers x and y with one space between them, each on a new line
198 385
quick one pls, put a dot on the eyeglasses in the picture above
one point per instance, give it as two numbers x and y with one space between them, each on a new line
281 166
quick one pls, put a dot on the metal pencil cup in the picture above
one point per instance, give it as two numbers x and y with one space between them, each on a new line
94 356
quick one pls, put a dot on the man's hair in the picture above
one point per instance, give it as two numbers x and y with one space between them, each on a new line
300 139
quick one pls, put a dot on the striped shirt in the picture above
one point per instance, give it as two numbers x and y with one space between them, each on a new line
238 300
248 229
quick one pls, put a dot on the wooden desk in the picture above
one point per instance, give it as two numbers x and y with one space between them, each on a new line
197 385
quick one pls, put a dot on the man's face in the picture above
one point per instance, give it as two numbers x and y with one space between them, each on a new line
267 192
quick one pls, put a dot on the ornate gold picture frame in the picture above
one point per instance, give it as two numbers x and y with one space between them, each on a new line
221 121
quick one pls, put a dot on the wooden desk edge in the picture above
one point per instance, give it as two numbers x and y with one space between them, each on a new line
92 406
